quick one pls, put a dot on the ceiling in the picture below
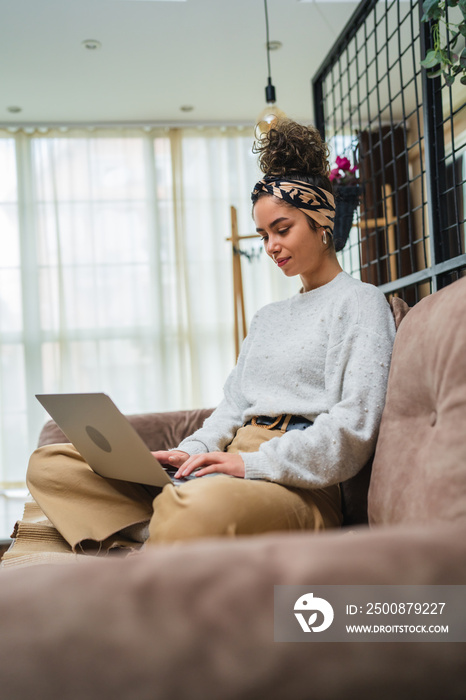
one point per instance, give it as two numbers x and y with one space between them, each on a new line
157 56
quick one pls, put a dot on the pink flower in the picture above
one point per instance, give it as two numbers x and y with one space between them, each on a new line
343 163
344 174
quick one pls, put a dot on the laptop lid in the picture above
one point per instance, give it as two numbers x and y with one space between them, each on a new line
104 437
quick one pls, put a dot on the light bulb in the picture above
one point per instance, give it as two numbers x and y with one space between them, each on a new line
268 117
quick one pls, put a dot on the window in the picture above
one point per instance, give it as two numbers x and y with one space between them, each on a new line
115 273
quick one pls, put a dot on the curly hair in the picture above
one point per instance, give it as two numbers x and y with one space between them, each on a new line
293 151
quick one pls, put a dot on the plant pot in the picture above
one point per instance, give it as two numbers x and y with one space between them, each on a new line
346 202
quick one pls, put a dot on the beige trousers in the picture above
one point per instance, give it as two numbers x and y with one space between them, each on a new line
95 512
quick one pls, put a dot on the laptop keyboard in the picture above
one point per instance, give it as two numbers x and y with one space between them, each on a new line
171 471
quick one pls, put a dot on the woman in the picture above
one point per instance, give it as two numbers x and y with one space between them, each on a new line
301 409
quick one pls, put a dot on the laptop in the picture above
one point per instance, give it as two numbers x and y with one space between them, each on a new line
106 439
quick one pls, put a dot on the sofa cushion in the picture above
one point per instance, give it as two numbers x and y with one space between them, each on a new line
419 470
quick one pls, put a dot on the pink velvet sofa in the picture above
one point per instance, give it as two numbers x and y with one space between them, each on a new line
196 620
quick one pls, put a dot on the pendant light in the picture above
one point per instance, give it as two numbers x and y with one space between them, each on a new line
271 113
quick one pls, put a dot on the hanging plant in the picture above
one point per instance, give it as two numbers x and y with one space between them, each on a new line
347 192
441 59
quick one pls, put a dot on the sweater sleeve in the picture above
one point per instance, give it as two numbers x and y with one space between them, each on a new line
340 441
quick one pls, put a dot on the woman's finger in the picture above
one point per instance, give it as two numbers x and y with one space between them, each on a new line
174 457
210 462
193 463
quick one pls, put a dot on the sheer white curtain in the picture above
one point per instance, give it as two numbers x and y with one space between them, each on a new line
115 274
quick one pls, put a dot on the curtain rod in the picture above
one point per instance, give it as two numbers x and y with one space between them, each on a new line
147 126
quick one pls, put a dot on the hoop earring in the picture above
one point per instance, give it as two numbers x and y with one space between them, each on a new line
324 238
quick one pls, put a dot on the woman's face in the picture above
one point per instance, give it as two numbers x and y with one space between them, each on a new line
292 244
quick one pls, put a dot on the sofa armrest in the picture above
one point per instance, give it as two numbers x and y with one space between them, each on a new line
185 621
160 431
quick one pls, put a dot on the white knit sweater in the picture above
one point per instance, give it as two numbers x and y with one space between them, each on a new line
324 355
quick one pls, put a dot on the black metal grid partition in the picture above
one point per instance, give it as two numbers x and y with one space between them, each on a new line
374 103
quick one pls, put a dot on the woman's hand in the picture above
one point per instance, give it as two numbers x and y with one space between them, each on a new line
175 458
225 462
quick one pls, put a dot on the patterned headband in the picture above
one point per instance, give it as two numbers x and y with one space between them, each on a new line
313 201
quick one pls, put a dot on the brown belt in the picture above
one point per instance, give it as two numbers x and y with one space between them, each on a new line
282 422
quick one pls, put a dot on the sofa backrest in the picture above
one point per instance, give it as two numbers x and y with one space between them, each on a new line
419 469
